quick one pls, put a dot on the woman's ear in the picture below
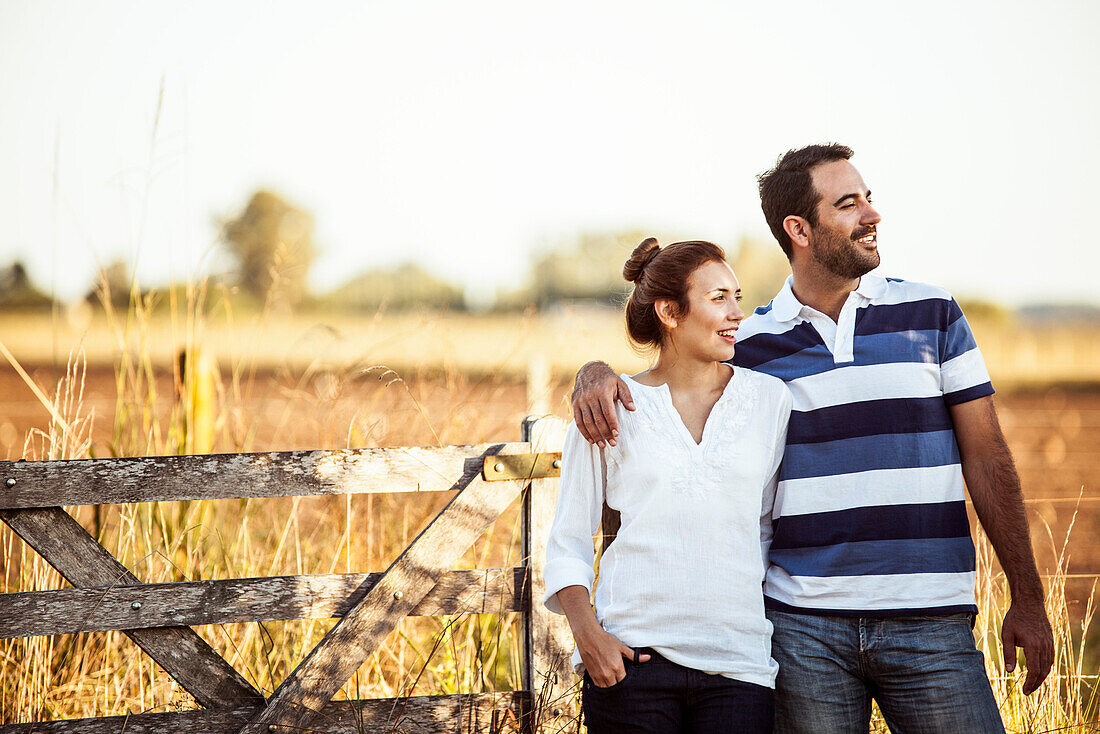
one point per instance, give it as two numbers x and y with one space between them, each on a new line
666 312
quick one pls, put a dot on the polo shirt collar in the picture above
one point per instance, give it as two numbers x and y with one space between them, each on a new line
785 307
871 286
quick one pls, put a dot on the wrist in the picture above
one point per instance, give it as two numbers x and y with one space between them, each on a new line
585 631
1029 602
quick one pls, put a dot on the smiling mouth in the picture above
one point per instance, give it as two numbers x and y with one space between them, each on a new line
727 333
868 239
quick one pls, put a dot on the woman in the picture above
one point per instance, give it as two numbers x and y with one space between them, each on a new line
678 641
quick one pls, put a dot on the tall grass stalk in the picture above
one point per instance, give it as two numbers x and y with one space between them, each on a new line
1067 701
102 674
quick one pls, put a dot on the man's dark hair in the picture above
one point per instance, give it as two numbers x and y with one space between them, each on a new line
788 188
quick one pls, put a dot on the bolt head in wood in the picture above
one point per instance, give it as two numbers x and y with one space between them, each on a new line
10 482
557 463
272 727
498 467
557 712
397 595
136 605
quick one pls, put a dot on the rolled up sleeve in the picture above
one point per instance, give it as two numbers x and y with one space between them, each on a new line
569 550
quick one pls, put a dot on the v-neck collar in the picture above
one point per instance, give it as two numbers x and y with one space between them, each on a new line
664 398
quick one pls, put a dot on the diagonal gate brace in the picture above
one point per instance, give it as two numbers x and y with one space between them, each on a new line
69 548
300 698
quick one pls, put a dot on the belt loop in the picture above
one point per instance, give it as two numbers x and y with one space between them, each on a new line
637 652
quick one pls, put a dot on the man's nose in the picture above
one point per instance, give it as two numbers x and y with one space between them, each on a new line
870 215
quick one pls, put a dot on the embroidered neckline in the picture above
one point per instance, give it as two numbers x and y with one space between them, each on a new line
695 468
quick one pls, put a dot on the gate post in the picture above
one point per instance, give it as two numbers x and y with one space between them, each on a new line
548 642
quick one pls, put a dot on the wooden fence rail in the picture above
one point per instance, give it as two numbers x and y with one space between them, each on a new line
485 478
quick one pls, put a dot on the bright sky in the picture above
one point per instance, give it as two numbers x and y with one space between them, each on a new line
467 135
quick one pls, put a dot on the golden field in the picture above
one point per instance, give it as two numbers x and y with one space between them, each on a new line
266 382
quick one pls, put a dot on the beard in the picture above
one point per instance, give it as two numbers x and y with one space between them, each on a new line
838 252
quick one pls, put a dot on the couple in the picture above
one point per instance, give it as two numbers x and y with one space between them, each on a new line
837 433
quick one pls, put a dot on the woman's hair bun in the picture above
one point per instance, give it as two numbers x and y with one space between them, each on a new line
643 254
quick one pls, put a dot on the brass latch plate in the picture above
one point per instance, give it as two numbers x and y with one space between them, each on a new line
522 466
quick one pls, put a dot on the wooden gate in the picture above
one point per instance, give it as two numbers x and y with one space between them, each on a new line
158 617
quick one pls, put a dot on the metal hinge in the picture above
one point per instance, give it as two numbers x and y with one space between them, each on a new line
521 466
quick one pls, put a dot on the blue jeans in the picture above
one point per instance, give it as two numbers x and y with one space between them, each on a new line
661 697
924 672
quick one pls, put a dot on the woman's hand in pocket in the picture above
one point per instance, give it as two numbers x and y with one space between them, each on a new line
603 655
601 652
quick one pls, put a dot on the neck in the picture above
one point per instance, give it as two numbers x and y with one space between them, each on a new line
822 290
684 374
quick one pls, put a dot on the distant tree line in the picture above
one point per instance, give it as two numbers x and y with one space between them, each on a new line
269 247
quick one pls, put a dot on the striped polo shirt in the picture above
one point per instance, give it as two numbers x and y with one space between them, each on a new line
870 517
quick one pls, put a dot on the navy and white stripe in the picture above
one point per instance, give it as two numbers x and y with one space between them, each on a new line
870 515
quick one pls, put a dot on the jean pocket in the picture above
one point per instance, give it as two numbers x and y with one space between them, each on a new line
955 617
614 686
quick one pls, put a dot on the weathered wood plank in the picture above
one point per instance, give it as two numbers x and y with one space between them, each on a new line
226 476
477 713
68 547
312 684
62 611
548 643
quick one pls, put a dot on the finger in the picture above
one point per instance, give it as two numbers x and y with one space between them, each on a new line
606 411
593 427
1035 672
599 419
578 418
1031 683
624 395
1043 657
630 654
1008 648
616 673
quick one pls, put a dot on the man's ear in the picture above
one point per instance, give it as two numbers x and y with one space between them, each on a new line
666 312
798 229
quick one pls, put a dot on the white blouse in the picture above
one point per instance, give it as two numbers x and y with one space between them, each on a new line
685 571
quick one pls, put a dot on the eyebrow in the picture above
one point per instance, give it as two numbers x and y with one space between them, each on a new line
724 290
851 196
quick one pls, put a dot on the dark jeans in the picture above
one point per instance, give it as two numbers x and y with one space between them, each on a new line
924 671
661 697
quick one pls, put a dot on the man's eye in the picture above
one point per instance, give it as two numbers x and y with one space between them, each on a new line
740 298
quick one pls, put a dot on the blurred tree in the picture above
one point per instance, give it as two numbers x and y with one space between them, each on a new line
404 287
112 285
985 311
761 268
589 268
272 242
17 291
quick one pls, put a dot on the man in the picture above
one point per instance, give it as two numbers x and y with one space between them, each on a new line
870 584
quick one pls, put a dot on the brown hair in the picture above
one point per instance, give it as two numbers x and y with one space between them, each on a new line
788 188
661 273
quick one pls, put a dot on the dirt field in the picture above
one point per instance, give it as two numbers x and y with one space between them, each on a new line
1054 432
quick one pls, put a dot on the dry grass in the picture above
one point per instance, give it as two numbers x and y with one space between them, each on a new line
98 674
304 402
